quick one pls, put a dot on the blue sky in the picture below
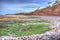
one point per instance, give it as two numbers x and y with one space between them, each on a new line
17 6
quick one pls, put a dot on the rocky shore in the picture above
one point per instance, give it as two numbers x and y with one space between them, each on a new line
53 34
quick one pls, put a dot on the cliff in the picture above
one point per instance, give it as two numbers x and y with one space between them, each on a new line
49 11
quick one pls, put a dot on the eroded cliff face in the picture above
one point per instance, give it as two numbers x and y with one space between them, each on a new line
49 11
